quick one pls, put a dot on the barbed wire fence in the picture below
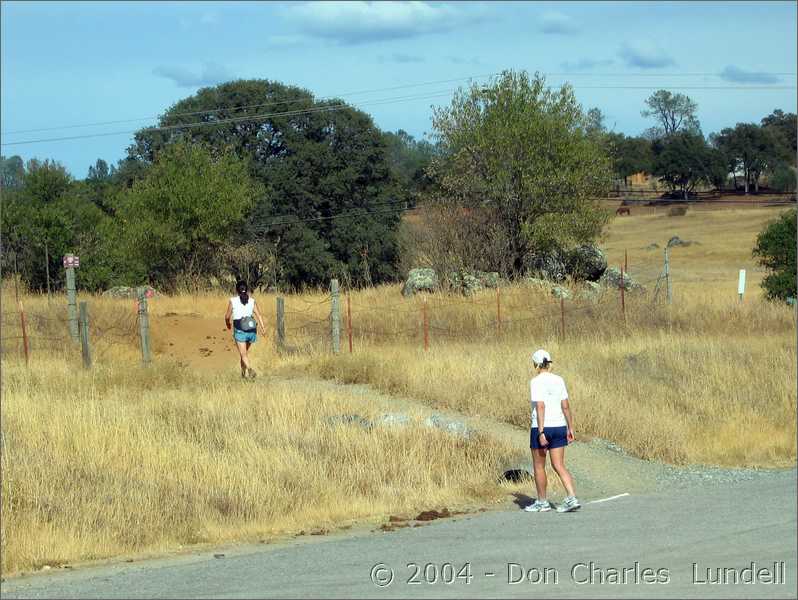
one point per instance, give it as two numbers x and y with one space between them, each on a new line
433 318
47 331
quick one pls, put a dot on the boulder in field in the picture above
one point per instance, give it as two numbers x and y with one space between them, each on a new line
612 278
420 280
586 263
550 265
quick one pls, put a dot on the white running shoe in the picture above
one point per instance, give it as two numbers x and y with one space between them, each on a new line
538 506
569 504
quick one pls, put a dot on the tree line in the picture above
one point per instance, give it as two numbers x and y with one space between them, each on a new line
258 180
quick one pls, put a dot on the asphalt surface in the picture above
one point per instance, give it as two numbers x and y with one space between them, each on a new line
677 535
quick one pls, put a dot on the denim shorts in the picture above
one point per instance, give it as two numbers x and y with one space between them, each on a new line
244 336
556 436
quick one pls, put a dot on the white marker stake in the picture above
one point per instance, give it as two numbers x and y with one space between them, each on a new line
608 499
741 284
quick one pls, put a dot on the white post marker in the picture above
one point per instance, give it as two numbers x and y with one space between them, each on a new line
741 284
608 499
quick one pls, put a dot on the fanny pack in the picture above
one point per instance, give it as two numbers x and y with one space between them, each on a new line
246 324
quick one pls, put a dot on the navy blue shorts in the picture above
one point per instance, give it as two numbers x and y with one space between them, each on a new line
556 436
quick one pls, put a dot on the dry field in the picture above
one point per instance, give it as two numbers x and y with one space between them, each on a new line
125 459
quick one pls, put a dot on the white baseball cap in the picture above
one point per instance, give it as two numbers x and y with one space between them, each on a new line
541 356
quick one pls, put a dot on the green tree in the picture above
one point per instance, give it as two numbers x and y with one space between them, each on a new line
776 249
785 129
673 113
523 151
323 165
179 215
12 172
749 148
409 159
630 155
683 161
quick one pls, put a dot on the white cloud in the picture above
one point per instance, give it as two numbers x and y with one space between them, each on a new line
557 22
645 55
210 74
586 64
738 75
361 22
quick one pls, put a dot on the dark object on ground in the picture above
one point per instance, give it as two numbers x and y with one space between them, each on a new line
431 515
677 211
517 475
623 210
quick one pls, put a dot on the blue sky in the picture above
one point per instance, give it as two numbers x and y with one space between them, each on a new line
73 63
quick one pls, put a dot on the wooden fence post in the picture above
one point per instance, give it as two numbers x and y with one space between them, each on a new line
144 326
72 303
84 335
335 317
280 324
623 289
349 320
23 323
425 321
562 317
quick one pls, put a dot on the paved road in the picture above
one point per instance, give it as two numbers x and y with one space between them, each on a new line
715 526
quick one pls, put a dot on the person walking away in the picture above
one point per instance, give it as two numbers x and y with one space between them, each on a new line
241 309
551 431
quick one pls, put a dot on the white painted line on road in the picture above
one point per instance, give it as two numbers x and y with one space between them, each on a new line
608 499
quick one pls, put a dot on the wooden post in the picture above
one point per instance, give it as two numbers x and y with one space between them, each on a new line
623 289
349 320
84 335
335 317
280 324
47 268
425 321
625 260
498 313
562 317
668 288
72 303
144 326
22 322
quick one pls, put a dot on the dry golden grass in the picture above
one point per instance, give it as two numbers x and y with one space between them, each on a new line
121 460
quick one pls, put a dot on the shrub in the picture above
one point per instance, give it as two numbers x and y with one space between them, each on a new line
775 249
677 211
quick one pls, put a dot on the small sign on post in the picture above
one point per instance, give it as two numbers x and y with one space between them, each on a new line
741 284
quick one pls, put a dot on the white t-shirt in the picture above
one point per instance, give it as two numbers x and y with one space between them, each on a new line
242 310
549 389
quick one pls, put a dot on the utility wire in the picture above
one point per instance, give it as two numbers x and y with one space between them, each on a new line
371 91
341 106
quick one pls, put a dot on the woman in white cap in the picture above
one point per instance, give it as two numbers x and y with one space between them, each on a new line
552 430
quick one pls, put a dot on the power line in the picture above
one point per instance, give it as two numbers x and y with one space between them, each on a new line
371 91
341 106
216 110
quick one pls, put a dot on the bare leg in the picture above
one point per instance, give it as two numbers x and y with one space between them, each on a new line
242 352
250 370
539 464
558 462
